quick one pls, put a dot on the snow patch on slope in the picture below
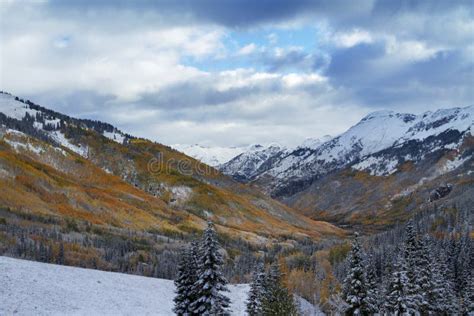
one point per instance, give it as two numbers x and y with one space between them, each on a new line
61 139
378 166
13 108
115 136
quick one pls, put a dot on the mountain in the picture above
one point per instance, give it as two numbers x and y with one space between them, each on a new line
46 153
258 158
383 146
83 193
212 156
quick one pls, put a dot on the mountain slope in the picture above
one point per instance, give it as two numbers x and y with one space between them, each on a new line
94 172
385 145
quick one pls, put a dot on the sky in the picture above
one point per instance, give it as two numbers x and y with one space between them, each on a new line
234 73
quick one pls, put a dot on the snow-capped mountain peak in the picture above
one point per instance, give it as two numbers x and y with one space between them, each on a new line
364 146
313 143
212 156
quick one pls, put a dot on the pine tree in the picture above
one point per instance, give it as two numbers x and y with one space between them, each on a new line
277 301
257 291
210 282
465 271
355 286
425 277
372 299
396 297
184 284
412 254
443 290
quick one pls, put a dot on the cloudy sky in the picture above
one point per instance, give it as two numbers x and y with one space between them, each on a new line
237 72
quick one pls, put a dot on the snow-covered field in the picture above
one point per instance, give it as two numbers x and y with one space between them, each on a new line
34 288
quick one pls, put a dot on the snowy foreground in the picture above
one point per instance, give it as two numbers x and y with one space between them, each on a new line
34 288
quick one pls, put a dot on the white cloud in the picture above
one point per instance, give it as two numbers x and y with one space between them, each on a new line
247 49
294 79
352 38
409 51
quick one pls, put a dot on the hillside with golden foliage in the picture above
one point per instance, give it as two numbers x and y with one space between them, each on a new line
115 187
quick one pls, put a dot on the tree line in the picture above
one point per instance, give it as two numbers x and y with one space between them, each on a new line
421 276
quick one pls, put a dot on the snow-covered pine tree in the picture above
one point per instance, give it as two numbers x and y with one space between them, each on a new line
372 299
443 290
184 284
210 282
396 297
355 286
465 266
412 254
257 291
277 301
425 277
194 256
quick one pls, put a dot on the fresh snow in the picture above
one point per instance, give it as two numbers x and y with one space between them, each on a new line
35 288
378 166
212 156
14 109
25 146
115 136
375 132
313 143
61 139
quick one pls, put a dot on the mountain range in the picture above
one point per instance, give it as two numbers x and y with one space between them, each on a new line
355 177
375 174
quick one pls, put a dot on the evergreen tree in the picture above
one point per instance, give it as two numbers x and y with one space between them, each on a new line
412 255
184 284
396 297
257 291
355 286
372 299
466 275
444 300
425 277
210 282
277 301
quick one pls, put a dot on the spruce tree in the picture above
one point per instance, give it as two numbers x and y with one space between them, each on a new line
443 290
257 291
412 254
277 301
372 299
355 286
465 266
210 282
425 277
396 297
184 284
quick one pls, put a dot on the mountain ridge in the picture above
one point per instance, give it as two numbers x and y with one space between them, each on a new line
384 149
187 192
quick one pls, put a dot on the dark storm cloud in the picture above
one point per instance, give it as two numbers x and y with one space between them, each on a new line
443 80
229 13
245 13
